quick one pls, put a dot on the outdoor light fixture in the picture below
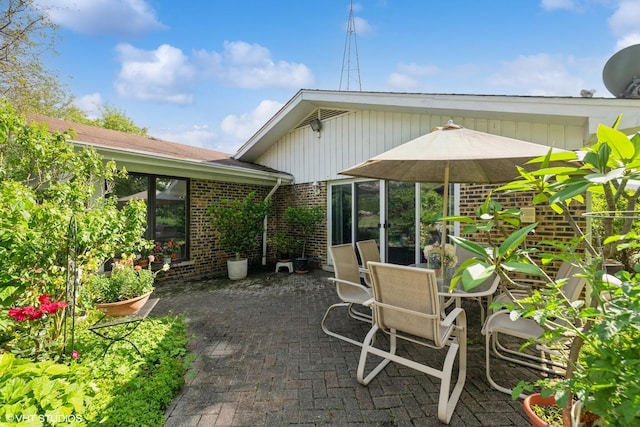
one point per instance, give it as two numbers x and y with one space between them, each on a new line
315 187
316 125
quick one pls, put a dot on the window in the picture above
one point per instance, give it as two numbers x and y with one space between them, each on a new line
167 206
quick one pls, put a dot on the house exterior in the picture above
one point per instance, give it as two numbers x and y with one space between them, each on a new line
351 127
296 159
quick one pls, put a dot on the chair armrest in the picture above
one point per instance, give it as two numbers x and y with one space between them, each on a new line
358 286
369 302
349 283
452 316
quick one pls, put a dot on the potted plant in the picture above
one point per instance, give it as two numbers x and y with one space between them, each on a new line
170 249
239 224
285 245
438 257
123 290
602 358
303 222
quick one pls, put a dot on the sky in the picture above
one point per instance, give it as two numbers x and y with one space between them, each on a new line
210 73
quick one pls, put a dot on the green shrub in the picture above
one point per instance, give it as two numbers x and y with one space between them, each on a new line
42 393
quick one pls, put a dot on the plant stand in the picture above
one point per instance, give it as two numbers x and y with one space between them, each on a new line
119 328
288 265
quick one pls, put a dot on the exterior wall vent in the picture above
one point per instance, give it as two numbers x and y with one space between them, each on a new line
321 114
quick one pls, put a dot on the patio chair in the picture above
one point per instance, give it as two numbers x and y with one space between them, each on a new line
348 287
566 270
406 305
368 250
525 329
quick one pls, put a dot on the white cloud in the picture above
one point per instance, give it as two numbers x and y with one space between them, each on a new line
624 23
625 19
161 75
90 104
558 4
409 77
398 82
540 75
363 27
242 127
115 17
628 40
250 66
197 135
234 130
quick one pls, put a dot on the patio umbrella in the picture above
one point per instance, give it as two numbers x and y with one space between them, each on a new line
452 154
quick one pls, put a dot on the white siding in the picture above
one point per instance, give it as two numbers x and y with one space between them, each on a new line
359 135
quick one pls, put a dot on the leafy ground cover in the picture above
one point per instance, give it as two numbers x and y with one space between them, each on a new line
121 388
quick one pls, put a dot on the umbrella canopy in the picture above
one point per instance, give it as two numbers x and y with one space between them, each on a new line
470 157
452 154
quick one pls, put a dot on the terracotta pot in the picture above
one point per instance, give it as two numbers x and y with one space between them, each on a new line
123 308
143 262
537 399
174 257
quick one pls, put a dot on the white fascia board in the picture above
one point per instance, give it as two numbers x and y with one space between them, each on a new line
162 165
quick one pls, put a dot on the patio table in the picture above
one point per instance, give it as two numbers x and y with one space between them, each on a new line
484 290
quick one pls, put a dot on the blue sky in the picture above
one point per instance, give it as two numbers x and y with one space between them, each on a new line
210 73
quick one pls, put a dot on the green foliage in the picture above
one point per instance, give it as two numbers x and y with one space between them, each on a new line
239 222
304 221
125 281
37 328
135 390
45 182
121 388
42 393
26 32
602 360
115 119
284 243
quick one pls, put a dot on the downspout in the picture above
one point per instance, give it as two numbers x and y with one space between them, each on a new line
264 233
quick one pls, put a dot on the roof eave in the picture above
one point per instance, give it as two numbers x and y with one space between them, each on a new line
161 165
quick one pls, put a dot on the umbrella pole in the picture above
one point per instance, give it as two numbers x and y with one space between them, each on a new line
445 204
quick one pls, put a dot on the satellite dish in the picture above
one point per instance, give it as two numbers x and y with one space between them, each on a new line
621 73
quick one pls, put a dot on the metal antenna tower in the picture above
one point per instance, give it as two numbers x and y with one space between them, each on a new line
351 40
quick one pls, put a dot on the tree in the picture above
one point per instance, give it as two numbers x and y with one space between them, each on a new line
25 34
44 182
115 119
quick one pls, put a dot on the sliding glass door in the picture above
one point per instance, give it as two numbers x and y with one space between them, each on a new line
401 216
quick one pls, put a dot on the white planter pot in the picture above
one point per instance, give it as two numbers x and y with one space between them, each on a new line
237 269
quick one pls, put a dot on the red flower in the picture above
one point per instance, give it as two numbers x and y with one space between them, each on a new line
31 313
75 354
52 307
17 314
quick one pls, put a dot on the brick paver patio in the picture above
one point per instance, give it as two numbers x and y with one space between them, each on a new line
263 360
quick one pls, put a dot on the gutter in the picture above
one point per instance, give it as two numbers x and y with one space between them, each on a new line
264 233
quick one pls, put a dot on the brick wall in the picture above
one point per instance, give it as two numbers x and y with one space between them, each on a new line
551 226
207 257
301 195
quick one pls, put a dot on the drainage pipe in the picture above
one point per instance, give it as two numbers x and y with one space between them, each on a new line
264 233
